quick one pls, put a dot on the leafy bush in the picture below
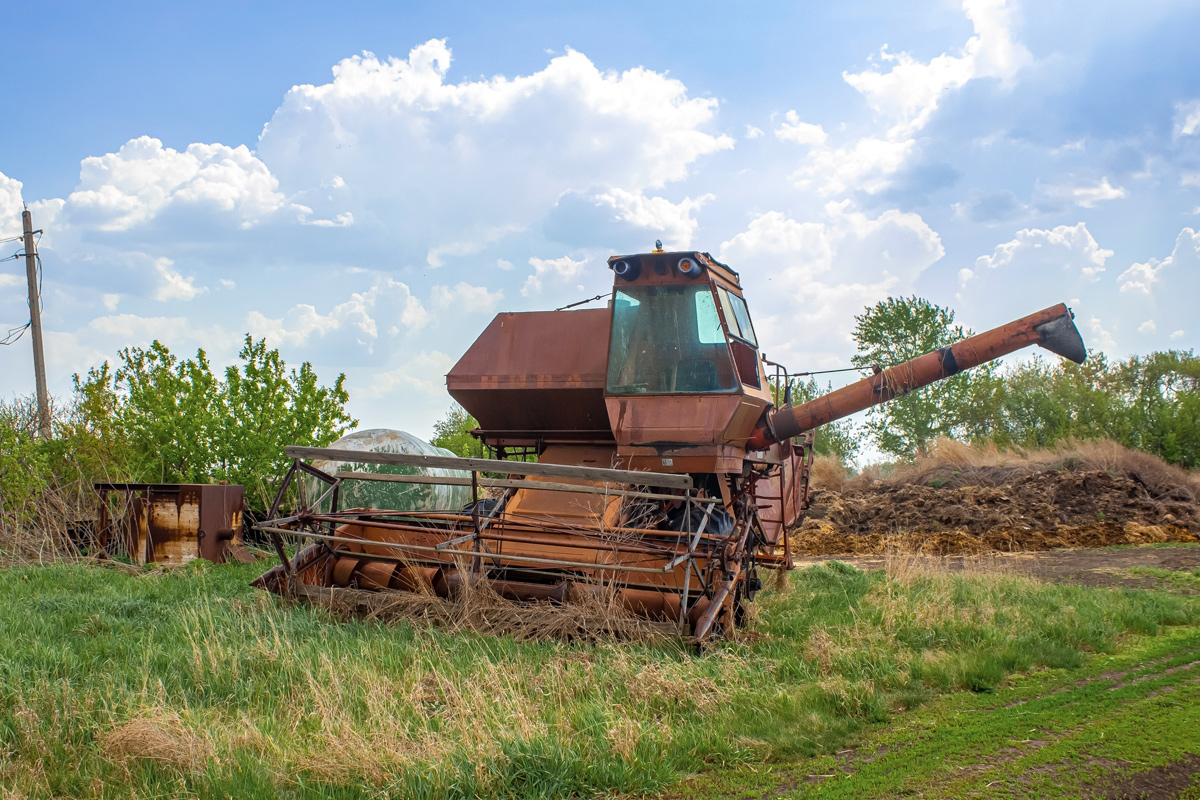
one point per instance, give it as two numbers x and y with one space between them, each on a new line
182 424
157 418
453 432
1149 403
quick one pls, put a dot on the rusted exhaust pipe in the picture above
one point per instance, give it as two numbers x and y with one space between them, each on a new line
1052 328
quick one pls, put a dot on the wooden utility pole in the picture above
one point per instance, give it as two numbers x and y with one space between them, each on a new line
35 328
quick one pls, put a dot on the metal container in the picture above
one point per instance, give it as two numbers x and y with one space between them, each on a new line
171 523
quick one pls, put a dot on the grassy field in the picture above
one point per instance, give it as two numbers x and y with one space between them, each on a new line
189 683
1124 726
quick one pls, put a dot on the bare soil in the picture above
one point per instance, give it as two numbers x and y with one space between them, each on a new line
1167 781
950 509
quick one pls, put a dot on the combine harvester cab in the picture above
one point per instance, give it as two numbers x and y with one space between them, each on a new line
668 468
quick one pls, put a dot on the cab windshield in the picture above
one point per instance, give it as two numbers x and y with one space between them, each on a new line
668 339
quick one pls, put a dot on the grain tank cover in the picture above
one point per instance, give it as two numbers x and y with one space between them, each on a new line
537 376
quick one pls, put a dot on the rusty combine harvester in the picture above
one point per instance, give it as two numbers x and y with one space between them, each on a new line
668 468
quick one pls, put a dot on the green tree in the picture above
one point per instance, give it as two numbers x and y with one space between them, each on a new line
897 329
453 432
170 410
1163 398
1041 402
24 473
838 439
262 408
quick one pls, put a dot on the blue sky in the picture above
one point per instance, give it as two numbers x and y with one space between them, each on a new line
366 186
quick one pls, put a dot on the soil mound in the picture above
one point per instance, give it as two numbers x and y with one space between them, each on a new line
955 504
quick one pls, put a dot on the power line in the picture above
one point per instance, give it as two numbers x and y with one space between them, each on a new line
14 334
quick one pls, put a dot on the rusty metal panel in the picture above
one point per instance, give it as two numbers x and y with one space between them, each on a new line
568 505
174 519
782 494
171 523
536 372
648 419
220 523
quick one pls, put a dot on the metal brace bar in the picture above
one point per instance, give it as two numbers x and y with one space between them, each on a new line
695 540
333 487
500 557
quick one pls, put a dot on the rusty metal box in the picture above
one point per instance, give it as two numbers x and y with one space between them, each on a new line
170 522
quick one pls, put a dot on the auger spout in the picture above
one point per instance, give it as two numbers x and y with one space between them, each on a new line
1052 328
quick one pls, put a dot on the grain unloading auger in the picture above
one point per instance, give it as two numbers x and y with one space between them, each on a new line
667 470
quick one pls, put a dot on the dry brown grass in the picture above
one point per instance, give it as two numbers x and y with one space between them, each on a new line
819 649
47 499
906 568
37 533
1106 455
160 737
592 616
935 582
828 473
673 686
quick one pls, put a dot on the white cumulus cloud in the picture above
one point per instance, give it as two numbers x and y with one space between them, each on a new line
465 298
1067 248
499 151
563 268
423 373
910 91
867 165
131 186
389 300
1100 338
1140 277
172 285
904 98
1187 118
673 222
1086 195
10 207
807 279
793 130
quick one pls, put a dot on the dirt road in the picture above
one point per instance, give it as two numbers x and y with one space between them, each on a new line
1090 567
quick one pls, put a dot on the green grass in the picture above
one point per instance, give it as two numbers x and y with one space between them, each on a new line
1056 733
1170 578
189 683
